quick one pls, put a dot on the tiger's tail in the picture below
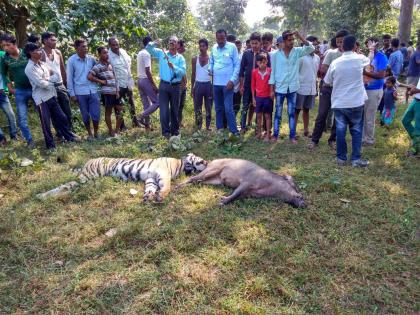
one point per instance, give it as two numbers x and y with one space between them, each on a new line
61 190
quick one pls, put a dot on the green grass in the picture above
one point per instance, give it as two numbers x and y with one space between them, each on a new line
189 256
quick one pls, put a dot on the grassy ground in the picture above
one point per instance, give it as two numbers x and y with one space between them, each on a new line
354 250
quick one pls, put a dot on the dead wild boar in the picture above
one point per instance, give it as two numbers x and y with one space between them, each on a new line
249 180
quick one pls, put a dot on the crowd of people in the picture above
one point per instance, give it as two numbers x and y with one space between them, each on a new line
242 82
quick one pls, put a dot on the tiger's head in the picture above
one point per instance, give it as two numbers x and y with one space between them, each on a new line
193 164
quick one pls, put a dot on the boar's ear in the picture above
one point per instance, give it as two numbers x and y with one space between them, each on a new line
290 180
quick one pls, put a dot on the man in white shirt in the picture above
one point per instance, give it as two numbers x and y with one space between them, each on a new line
348 98
147 87
121 63
308 70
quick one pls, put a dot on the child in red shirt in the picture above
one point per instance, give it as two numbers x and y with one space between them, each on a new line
261 95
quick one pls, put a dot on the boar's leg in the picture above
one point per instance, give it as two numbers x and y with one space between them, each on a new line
236 194
208 173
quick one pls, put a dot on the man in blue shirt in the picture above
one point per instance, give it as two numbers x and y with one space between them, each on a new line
172 68
413 73
284 79
81 90
224 66
374 89
396 59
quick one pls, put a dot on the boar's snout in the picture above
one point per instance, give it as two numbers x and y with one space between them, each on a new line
299 202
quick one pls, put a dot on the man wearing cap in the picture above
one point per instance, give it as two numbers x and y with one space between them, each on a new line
284 79
172 68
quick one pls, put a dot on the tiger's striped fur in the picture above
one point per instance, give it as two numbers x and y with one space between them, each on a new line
155 173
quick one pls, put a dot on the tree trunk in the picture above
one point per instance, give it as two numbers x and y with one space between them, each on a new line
306 12
20 17
405 20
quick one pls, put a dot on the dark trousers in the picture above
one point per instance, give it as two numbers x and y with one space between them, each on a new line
126 95
181 104
63 100
202 92
51 111
246 102
237 97
169 108
321 118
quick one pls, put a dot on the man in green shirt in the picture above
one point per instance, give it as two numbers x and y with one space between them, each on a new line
412 114
12 67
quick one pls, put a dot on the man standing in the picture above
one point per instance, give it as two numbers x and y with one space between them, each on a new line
12 67
308 70
147 86
374 90
81 90
43 79
224 66
237 96
201 85
396 60
284 79
171 70
182 98
7 108
325 95
54 59
348 96
267 43
413 73
386 42
121 63
248 64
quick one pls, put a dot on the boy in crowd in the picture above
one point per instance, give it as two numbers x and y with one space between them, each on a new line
412 114
374 90
103 74
81 90
201 88
248 64
147 87
267 43
42 79
181 51
7 108
284 80
325 94
386 42
396 59
308 70
348 97
261 96
12 67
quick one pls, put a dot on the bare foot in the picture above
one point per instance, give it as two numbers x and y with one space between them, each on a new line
293 141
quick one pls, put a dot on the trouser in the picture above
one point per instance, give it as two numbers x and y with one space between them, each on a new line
51 111
22 97
202 92
63 100
246 102
89 107
353 118
223 103
126 95
237 97
321 119
291 104
7 109
181 104
371 105
149 99
169 95
411 114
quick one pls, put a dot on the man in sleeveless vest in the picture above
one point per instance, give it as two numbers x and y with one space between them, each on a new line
54 59
201 85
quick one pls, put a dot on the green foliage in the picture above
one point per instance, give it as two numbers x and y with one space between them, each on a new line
224 14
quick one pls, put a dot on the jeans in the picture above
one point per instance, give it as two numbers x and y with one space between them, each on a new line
352 117
223 103
22 97
7 109
322 117
51 111
291 104
247 100
169 95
